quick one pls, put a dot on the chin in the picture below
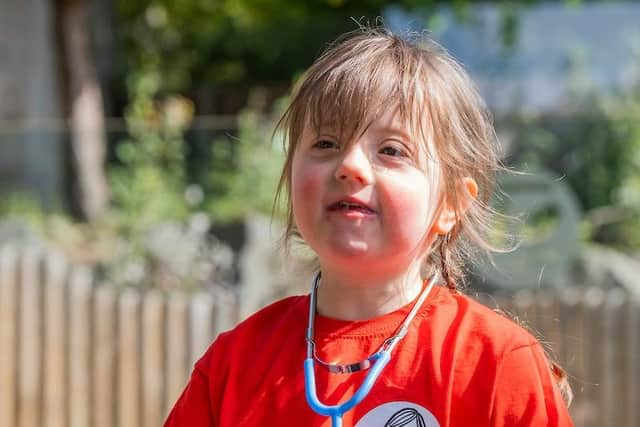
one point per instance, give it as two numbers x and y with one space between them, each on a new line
351 250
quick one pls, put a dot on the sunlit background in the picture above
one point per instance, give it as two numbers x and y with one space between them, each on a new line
138 167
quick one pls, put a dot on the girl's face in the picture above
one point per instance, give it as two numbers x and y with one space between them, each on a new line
366 204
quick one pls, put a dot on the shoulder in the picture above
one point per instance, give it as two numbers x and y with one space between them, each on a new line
503 365
272 314
267 323
477 325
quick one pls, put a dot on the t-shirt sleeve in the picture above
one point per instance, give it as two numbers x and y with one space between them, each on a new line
525 393
195 406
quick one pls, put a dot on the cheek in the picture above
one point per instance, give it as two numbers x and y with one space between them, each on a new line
412 210
306 186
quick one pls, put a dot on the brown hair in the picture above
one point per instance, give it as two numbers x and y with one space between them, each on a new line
367 72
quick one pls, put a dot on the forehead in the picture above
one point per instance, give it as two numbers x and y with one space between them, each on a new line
390 121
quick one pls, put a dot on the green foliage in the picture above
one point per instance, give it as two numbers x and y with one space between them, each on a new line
245 169
23 219
158 230
24 208
163 210
151 183
210 43
598 153
195 44
148 184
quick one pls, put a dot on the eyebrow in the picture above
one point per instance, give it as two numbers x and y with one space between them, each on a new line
324 129
394 131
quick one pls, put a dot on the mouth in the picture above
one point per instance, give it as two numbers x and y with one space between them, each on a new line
351 206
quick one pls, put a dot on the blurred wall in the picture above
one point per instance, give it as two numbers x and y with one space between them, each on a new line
31 138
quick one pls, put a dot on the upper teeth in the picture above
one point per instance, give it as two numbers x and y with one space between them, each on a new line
349 205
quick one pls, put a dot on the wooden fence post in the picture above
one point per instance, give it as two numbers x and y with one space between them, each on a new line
8 334
177 349
202 324
55 342
80 289
548 324
105 348
523 305
572 322
153 360
129 414
613 369
632 363
30 339
593 342
226 310
502 303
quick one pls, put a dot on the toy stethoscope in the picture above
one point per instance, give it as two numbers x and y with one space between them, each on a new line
376 361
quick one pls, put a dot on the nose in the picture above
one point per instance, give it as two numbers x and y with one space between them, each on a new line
355 166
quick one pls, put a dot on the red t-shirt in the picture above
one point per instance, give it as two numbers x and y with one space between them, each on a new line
460 364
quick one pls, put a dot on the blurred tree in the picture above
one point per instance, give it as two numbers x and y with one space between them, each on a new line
205 47
210 44
149 182
598 152
595 145
84 107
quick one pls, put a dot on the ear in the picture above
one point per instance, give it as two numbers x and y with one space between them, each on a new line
449 215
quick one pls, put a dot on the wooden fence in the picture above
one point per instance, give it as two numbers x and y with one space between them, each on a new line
75 353
595 336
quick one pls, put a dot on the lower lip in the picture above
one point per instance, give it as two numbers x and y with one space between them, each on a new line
352 214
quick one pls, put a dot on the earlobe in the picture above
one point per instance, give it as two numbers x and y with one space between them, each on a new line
449 216
470 187
446 219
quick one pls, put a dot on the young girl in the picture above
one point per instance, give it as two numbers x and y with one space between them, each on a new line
390 164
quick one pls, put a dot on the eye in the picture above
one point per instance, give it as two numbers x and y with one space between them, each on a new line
324 144
393 151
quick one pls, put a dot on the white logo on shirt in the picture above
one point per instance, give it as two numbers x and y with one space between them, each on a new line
398 414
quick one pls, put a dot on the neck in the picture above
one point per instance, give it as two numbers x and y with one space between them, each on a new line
360 297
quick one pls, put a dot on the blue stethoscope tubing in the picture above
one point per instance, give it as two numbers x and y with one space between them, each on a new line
336 411
380 359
